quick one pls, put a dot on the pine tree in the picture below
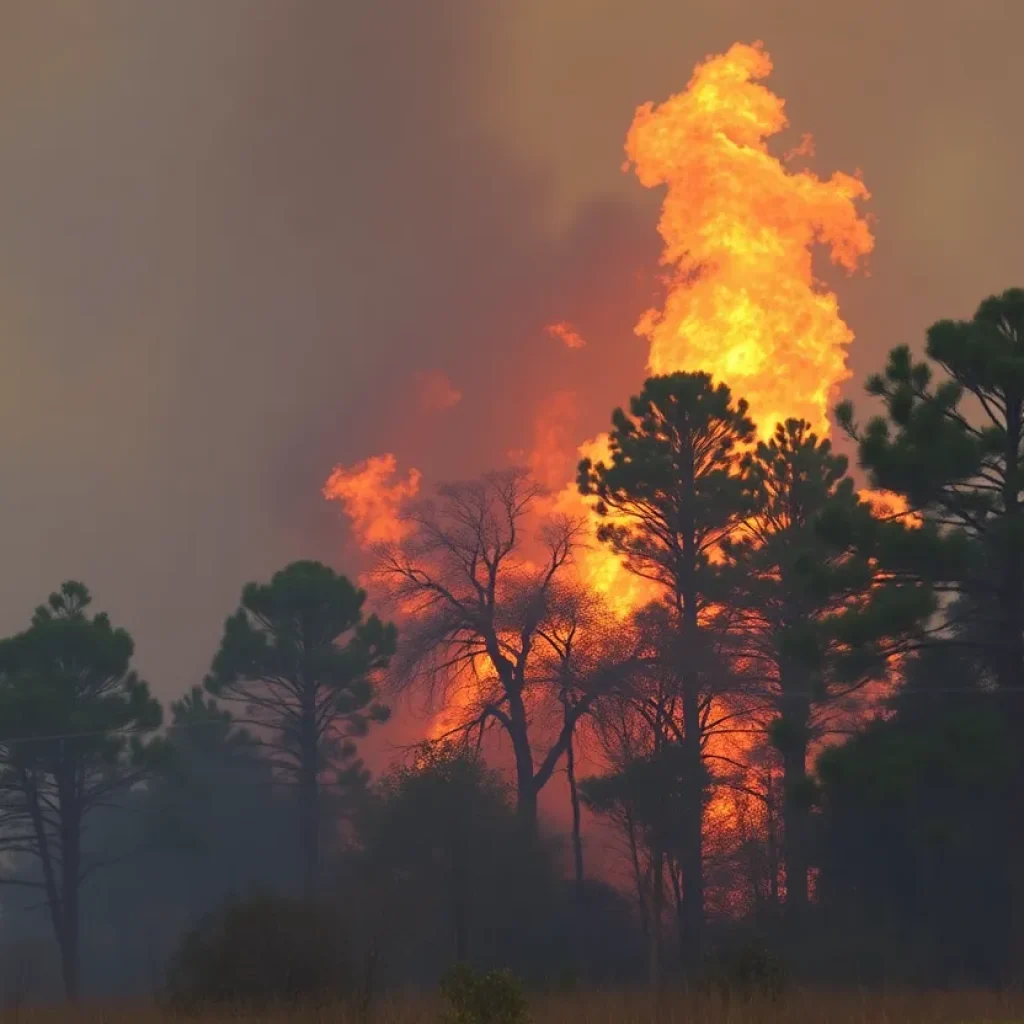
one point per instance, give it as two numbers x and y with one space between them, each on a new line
299 655
669 497
74 715
951 443
789 586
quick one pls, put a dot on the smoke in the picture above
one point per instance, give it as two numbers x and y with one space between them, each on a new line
234 232
233 236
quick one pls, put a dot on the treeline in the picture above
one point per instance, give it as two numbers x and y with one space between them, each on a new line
803 732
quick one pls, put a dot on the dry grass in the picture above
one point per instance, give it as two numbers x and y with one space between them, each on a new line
615 1008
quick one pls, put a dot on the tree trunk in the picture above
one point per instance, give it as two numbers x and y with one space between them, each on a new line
638 875
70 944
1011 565
654 936
309 802
792 742
795 832
577 857
46 859
70 881
577 835
691 859
1010 658
526 796
526 789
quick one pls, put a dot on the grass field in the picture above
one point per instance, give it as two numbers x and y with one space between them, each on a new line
613 1008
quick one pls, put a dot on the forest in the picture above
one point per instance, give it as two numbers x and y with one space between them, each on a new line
791 764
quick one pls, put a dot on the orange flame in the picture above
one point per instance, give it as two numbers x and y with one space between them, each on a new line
598 567
550 458
567 334
739 230
888 505
371 500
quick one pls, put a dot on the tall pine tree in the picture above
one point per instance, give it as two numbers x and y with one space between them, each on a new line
670 496
790 585
74 715
300 657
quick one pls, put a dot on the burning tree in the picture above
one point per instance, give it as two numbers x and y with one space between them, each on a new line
497 634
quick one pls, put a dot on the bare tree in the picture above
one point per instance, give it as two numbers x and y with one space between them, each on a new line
495 630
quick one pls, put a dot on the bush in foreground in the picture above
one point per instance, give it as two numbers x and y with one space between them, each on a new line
493 998
259 952
746 971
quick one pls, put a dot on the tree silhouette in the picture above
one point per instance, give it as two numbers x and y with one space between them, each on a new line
953 448
73 717
301 658
670 496
789 586
951 442
488 623
441 824
918 860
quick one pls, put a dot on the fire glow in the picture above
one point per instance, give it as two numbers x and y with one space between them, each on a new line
739 232
739 229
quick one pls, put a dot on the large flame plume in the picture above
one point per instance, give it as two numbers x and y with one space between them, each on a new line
739 230
742 302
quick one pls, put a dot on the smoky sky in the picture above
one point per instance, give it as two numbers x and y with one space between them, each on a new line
235 235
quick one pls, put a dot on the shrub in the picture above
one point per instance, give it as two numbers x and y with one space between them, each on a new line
747 971
493 998
260 951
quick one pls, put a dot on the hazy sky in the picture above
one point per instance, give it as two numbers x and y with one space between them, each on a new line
238 236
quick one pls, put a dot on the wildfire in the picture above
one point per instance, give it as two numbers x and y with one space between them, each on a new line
567 334
886 505
739 230
598 567
372 499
